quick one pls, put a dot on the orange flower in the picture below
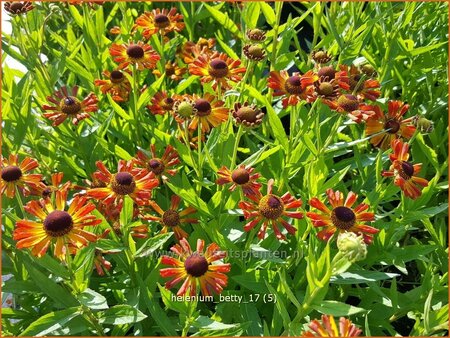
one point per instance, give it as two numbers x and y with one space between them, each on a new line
134 182
241 176
295 88
160 167
56 225
173 71
196 268
403 171
328 328
142 55
247 114
365 89
351 106
69 106
162 103
46 191
18 7
342 217
172 218
101 264
217 68
159 21
393 124
208 111
117 85
270 209
190 51
16 175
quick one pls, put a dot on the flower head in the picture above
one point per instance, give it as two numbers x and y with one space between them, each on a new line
270 209
134 182
56 225
404 172
140 54
17 175
159 166
67 105
190 51
172 71
247 114
18 7
217 68
172 218
352 246
208 111
392 124
342 217
321 56
256 35
116 84
365 89
254 52
242 176
162 21
162 104
196 268
294 88
328 328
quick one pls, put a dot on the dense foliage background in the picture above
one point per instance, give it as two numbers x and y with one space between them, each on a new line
399 289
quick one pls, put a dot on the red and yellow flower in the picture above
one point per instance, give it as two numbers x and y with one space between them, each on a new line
159 166
190 51
162 21
172 218
208 111
140 54
196 268
134 182
270 209
172 70
63 228
404 172
365 89
342 217
217 68
116 84
294 88
392 124
162 104
67 105
17 175
328 328
242 176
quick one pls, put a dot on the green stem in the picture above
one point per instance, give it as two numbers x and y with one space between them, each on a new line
135 104
200 157
20 202
236 146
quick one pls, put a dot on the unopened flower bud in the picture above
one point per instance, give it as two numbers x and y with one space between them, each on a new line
352 246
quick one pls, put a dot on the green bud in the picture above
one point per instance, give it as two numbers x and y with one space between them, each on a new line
352 246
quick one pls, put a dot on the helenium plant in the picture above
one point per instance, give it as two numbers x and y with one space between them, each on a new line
224 168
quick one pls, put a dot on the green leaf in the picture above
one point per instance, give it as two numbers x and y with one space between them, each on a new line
269 13
152 244
210 327
121 314
361 277
126 214
334 308
224 20
118 109
51 322
93 300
